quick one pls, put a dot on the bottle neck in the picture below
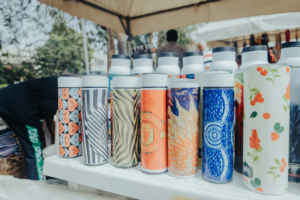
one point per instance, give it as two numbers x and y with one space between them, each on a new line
193 60
255 56
168 61
292 52
142 63
223 56
120 62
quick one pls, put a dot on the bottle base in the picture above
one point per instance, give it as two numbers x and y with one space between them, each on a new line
125 167
182 177
149 171
264 193
70 157
216 182
98 164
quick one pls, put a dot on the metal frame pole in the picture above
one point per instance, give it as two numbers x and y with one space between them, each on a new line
86 56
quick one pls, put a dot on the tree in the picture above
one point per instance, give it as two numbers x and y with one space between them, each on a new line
21 19
63 50
15 73
122 47
110 37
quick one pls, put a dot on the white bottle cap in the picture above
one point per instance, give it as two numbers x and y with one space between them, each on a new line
120 82
66 81
214 72
253 55
183 83
94 81
218 80
154 80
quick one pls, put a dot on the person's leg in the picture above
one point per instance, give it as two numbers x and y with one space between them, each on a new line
30 141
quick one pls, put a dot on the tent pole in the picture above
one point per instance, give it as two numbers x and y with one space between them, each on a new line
87 68
129 35
129 46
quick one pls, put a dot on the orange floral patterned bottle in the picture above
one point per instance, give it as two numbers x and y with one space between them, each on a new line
266 128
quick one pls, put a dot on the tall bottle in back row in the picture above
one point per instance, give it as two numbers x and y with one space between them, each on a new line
120 66
142 64
192 64
290 55
168 63
252 55
193 67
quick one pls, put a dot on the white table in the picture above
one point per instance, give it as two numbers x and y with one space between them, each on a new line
136 184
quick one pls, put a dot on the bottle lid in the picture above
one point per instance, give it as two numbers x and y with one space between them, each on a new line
194 53
169 54
120 56
215 72
223 49
183 83
218 80
142 56
94 81
290 44
154 81
120 82
255 48
65 81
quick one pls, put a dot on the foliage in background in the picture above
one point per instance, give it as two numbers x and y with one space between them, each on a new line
15 14
64 46
141 40
9 76
98 37
63 50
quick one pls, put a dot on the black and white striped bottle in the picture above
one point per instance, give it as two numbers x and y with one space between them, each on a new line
95 118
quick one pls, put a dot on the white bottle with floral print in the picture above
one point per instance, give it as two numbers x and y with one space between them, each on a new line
266 128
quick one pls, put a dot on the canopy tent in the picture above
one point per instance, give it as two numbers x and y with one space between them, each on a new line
134 17
229 31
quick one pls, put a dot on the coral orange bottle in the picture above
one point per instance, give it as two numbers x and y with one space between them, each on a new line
154 123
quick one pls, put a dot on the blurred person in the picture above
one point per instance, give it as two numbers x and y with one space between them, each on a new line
200 47
22 107
271 56
172 46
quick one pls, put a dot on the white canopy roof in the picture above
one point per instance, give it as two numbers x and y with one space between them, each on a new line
239 29
135 17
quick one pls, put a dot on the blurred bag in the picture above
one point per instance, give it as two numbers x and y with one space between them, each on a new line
12 161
